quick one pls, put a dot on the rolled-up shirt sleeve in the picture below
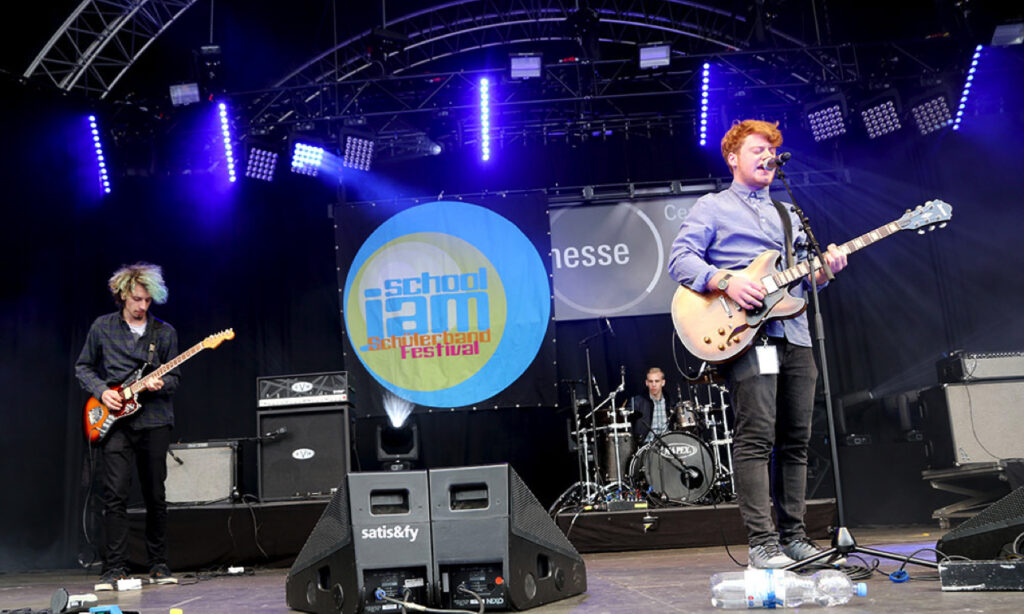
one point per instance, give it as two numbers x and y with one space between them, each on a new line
688 259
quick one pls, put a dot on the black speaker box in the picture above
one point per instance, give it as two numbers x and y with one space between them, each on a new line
304 452
492 536
984 536
977 422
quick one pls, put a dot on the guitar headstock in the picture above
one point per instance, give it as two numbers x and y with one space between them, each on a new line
934 214
217 338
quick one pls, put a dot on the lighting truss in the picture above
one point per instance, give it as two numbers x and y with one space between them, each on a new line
101 163
931 113
485 119
358 153
261 164
225 130
827 118
306 159
705 86
966 93
881 115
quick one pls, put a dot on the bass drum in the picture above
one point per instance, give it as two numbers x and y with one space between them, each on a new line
678 468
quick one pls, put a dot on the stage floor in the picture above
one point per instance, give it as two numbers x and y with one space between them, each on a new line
638 581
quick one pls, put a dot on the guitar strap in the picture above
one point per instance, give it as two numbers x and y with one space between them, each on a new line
787 229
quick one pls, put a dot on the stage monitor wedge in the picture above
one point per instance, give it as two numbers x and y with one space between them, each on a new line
990 534
491 535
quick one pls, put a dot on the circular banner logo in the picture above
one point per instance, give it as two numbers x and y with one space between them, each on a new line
446 304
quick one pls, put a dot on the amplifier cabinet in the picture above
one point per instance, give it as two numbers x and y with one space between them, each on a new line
976 422
303 452
201 472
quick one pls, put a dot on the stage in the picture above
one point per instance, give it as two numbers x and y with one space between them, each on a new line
671 580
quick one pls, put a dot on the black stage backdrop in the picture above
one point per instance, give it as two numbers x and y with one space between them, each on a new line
263 262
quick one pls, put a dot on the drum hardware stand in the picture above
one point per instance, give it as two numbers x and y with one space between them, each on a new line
843 542
724 472
588 490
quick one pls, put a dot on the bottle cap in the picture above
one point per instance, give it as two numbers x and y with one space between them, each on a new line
862 589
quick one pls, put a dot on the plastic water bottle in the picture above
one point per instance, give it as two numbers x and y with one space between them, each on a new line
777 588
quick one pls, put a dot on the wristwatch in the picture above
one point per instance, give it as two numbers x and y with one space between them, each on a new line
723 284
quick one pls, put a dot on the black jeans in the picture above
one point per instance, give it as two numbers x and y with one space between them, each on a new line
124 449
772 411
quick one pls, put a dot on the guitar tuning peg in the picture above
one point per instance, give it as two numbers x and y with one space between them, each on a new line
931 228
907 211
921 231
942 225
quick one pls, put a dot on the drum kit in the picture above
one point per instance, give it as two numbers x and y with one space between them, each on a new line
690 463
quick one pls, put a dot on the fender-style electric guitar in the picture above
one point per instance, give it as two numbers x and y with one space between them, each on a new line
99 418
714 328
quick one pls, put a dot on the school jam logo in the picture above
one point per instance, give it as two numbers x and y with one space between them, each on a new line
446 304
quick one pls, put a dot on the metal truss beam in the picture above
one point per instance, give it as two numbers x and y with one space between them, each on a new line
100 40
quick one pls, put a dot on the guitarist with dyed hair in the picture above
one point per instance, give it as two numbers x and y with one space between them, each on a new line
771 384
117 346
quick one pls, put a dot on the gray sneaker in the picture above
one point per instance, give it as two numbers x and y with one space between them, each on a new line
768 556
803 548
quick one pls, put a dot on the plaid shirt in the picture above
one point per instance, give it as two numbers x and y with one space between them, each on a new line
110 355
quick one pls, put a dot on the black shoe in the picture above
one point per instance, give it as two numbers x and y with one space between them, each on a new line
108 581
161 574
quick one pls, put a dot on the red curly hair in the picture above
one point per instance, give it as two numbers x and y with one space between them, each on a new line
733 139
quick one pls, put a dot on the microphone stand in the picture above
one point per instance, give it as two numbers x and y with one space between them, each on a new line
843 542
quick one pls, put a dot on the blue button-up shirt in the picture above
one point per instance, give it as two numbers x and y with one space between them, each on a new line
727 230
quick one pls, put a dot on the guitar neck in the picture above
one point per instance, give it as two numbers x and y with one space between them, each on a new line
139 386
796 272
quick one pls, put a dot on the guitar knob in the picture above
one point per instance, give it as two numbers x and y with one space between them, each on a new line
721 331
707 340
721 347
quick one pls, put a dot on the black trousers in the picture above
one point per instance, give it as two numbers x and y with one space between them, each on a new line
123 450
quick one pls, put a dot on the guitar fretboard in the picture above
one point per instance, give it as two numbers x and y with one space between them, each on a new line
795 272
139 386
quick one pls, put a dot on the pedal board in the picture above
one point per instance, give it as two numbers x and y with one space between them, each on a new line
982 575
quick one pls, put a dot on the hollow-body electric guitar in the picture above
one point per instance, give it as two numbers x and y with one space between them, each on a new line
714 328
99 418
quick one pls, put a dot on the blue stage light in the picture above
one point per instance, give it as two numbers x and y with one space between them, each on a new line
225 130
306 159
705 87
485 119
262 164
358 153
101 160
966 93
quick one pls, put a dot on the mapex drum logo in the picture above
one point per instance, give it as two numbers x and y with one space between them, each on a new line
679 450
396 532
446 304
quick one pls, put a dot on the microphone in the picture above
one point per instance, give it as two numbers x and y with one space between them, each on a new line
608 323
597 388
776 161
276 434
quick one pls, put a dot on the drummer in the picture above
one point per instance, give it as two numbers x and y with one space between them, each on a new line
651 411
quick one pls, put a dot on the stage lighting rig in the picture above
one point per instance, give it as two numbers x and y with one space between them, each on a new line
931 111
655 56
827 117
881 115
525 65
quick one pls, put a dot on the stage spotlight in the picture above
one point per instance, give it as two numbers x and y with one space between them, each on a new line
306 159
966 93
931 112
397 441
525 65
184 93
485 119
357 153
225 130
1008 34
827 118
262 164
881 115
653 56
101 159
705 86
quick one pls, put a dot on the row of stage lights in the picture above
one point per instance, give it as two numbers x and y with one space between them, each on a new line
827 119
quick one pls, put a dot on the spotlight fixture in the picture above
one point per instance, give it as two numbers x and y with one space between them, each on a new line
931 112
225 130
485 119
1008 34
101 161
881 115
968 82
261 164
525 65
705 85
306 159
653 56
827 118
358 153
184 93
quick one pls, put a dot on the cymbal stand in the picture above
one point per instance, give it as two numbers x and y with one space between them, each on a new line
615 428
725 441
588 490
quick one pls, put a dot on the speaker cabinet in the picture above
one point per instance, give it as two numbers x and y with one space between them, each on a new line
304 452
201 472
990 534
975 422
491 535
374 534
